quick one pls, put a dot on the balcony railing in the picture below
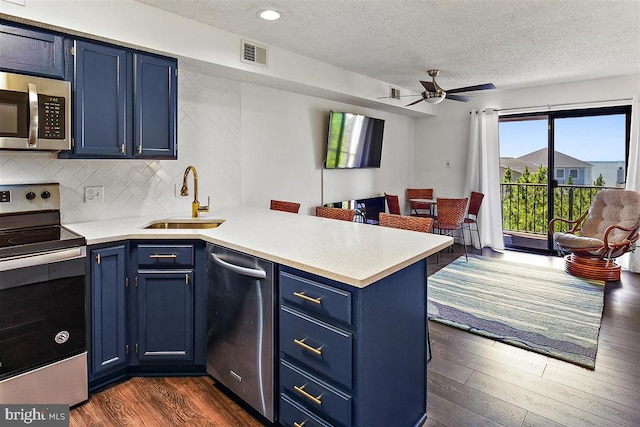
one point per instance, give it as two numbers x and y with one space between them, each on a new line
525 206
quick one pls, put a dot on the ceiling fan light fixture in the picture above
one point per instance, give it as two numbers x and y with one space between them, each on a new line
434 97
269 15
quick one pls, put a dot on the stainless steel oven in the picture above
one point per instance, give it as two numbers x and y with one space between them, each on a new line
35 113
43 356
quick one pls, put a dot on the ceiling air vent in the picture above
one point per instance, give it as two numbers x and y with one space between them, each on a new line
395 93
254 54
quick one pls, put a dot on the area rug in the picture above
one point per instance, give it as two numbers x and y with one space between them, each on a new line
537 308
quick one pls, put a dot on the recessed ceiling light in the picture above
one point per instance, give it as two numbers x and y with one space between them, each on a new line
269 15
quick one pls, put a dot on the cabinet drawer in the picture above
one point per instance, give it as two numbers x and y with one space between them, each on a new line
294 415
167 256
317 345
314 297
315 396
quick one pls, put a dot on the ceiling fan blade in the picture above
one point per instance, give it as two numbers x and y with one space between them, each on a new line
414 103
458 98
429 86
472 88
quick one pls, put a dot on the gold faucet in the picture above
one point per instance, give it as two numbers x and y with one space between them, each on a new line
184 191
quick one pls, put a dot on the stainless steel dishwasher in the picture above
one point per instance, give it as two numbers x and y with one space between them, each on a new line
240 326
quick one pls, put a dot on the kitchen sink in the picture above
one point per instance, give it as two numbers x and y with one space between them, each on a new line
184 224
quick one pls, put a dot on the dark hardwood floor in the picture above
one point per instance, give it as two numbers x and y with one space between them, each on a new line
472 381
475 381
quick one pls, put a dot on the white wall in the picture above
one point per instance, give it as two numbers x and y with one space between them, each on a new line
283 141
445 137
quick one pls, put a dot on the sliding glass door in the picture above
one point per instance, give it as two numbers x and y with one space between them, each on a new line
552 165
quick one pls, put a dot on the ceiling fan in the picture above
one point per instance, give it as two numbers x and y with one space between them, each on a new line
434 94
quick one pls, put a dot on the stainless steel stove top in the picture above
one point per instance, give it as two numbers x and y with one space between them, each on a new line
30 221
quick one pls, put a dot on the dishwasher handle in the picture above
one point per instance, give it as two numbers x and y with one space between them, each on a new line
245 271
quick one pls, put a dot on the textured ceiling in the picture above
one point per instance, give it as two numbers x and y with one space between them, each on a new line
511 43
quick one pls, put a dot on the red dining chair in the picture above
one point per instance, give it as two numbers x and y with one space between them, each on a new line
393 204
474 208
413 223
335 213
451 213
279 205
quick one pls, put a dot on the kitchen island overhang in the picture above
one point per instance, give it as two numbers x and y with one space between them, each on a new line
353 253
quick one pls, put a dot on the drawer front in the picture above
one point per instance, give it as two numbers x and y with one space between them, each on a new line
165 256
320 346
294 415
315 396
314 297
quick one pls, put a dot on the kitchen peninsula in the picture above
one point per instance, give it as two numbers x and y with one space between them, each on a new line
359 360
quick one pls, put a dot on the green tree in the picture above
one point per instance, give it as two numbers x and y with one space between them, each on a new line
599 182
525 176
507 176
540 176
569 180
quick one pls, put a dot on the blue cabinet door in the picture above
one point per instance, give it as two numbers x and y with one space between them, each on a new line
101 101
165 315
156 105
108 308
31 52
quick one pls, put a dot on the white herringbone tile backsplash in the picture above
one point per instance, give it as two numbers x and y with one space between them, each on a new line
208 138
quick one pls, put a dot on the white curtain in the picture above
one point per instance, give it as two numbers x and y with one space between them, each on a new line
483 175
632 260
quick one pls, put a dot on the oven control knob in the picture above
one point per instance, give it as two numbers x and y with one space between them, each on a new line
45 194
61 337
31 195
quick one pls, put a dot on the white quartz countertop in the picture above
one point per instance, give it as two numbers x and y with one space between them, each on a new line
353 253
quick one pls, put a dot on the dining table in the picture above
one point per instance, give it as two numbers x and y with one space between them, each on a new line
430 202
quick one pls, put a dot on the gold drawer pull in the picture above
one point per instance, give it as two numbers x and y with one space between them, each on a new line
307 347
162 256
308 298
295 424
301 390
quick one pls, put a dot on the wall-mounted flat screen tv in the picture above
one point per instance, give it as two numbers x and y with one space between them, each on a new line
354 141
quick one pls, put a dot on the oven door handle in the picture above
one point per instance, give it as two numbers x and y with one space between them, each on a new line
33 112
43 258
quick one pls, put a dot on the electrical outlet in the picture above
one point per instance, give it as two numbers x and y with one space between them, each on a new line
94 194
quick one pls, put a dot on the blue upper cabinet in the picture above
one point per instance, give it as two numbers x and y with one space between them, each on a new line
125 103
32 52
156 105
102 81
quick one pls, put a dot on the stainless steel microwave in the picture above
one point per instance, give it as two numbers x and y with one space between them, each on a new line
35 113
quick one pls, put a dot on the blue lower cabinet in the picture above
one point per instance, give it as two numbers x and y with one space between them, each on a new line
318 346
315 395
165 315
353 356
148 309
294 415
108 319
